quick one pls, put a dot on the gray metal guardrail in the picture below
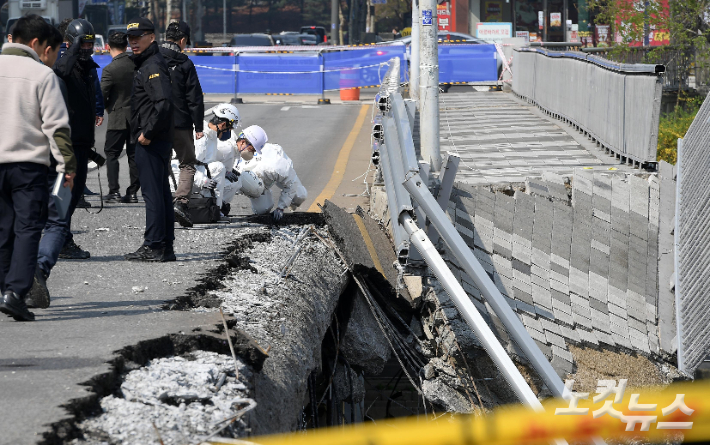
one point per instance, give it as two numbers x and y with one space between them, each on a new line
617 104
400 167
692 244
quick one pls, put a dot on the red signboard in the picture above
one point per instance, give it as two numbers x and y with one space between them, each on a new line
444 16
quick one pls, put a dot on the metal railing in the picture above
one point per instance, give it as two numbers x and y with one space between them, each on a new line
684 69
617 104
692 241
401 171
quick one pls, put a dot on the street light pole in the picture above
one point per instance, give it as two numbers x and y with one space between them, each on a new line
224 19
429 85
334 5
414 54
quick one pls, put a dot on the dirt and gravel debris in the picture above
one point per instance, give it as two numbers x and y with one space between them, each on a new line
179 398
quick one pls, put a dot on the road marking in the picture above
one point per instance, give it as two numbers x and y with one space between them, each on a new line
285 108
368 242
341 163
310 106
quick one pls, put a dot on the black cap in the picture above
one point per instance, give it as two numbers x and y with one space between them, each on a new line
140 26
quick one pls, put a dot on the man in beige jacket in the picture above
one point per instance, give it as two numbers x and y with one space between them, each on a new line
37 121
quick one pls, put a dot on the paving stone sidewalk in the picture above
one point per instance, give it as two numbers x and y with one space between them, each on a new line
503 139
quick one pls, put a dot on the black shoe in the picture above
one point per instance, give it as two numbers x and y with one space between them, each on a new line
129 198
112 197
82 204
181 214
88 192
71 251
145 253
226 207
169 254
15 307
38 297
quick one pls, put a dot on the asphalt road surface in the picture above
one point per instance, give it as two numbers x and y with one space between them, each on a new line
104 304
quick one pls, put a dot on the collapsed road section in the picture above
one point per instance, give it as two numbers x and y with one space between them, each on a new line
311 345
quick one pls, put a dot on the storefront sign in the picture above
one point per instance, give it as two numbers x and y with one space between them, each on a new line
523 34
602 34
443 16
494 11
494 31
555 19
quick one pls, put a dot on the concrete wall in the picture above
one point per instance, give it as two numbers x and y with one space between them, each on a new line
577 259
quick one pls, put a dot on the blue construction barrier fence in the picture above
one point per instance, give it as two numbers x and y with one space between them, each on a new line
312 72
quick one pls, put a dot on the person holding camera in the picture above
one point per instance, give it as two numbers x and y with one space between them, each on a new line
40 132
188 111
151 132
78 71
116 85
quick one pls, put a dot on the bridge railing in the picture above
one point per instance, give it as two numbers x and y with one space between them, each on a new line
616 104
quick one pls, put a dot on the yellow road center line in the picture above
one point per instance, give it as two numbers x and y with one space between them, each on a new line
341 163
368 242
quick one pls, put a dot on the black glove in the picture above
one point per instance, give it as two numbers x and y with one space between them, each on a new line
232 176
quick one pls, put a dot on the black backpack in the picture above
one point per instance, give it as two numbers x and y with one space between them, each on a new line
202 210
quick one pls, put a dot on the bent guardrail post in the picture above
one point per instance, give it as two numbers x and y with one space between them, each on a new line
401 242
447 178
469 312
473 268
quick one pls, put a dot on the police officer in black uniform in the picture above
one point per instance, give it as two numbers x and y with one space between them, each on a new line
78 71
151 132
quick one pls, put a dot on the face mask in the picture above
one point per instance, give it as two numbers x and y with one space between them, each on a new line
85 54
225 135
246 155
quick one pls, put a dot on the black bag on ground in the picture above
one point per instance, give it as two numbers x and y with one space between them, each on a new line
202 210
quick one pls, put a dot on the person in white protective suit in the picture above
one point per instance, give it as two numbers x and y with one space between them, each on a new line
216 152
269 163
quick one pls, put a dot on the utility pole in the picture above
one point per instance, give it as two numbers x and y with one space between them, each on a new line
429 85
414 56
334 5
224 20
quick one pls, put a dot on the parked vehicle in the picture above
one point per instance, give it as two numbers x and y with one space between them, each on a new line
99 44
318 31
443 37
113 29
251 40
288 38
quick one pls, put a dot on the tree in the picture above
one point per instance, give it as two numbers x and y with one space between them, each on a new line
684 20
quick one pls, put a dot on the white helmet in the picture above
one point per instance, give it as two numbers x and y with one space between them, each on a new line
228 112
256 137
252 186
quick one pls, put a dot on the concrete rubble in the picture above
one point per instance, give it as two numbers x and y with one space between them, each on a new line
286 318
175 399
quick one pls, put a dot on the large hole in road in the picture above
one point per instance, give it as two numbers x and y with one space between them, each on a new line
312 350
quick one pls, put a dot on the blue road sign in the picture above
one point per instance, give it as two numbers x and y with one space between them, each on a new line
426 17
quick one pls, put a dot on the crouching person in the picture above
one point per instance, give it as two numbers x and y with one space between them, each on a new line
214 155
272 166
